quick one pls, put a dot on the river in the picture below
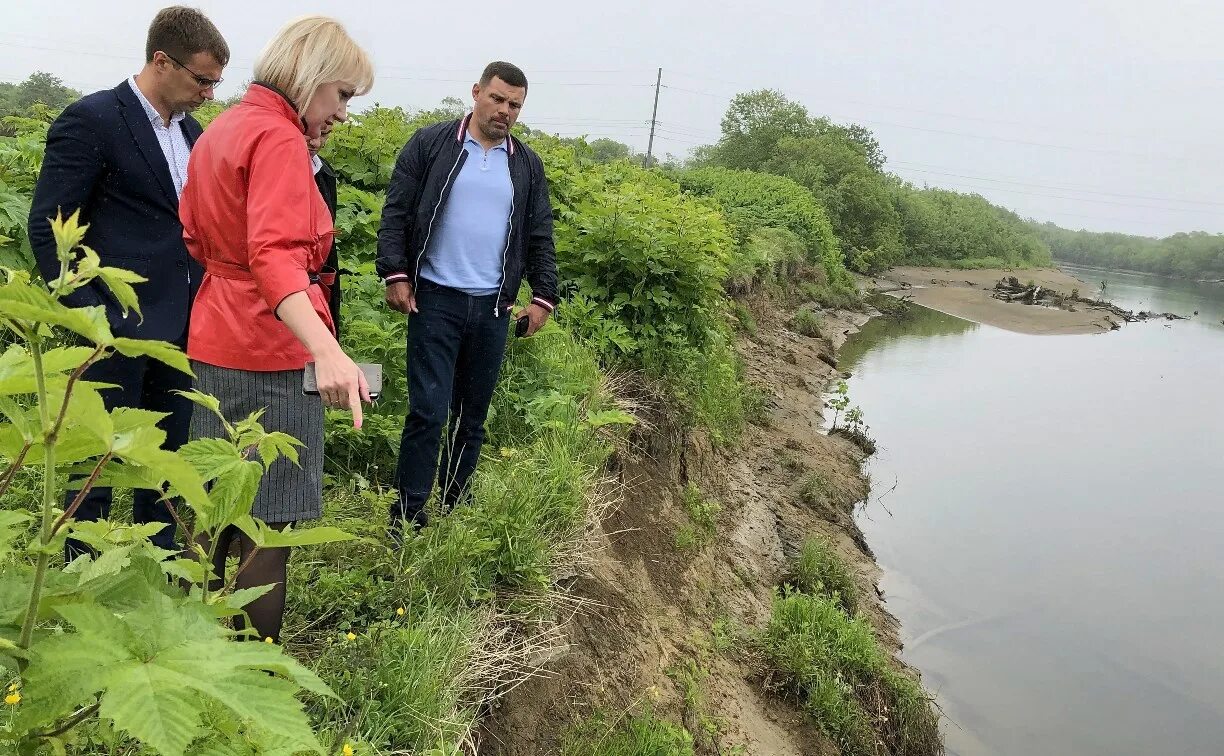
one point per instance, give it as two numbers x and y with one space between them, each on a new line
1048 514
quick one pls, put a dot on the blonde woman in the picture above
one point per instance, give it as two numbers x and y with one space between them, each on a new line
254 219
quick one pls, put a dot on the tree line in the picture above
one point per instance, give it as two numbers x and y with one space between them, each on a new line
1195 255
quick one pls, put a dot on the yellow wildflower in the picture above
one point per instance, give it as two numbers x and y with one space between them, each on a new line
348 750
269 639
13 688
507 453
399 612
351 637
12 699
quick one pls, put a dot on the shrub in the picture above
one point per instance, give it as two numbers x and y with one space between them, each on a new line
641 734
744 319
814 491
819 571
846 681
807 323
753 201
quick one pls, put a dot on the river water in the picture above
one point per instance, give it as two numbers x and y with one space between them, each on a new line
1048 513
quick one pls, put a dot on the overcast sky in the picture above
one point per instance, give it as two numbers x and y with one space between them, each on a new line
1101 114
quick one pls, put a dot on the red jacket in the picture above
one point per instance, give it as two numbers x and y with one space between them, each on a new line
255 220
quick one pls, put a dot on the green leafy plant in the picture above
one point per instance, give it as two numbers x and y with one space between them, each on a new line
129 636
702 514
814 490
819 571
807 323
839 401
844 679
632 734
744 319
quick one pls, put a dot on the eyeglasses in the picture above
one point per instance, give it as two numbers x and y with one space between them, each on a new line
204 82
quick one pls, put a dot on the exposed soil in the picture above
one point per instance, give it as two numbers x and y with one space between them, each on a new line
969 294
652 605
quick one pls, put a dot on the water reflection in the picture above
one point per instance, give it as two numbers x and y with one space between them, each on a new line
1054 544
918 324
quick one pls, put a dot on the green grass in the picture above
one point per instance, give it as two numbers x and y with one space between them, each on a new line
641 734
412 681
814 491
845 681
711 389
690 679
703 519
756 405
830 297
807 323
724 634
791 462
975 263
688 537
403 681
743 319
819 571
702 511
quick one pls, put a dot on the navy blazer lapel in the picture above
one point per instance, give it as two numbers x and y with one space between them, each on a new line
191 130
142 131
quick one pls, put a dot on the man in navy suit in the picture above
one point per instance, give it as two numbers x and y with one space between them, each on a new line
120 157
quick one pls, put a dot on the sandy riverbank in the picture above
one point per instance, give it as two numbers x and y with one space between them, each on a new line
967 294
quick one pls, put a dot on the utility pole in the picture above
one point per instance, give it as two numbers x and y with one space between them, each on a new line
653 116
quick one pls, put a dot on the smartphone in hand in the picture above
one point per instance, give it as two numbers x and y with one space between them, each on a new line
521 325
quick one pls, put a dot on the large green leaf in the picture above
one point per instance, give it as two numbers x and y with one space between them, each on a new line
212 457
129 418
74 444
22 302
149 469
13 524
158 668
269 538
119 281
85 406
233 493
17 366
154 707
23 419
183 479
15 583
209 402
240 598
275 445
162 351
136 440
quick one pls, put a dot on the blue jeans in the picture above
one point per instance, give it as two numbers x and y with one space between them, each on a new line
455 350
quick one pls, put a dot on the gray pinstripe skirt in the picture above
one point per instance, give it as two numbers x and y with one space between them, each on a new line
287 492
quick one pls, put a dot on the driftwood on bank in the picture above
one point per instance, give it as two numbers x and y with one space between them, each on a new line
1011 290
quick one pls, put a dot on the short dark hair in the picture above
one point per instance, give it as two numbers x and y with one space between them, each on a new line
182 32
507 72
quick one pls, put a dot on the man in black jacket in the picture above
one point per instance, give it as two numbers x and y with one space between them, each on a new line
119 156
467 217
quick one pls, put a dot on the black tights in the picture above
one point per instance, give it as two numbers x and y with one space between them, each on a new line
262 567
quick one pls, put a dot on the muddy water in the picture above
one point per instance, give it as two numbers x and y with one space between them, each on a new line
1049 512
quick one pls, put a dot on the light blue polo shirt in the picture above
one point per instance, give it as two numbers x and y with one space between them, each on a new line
466 251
